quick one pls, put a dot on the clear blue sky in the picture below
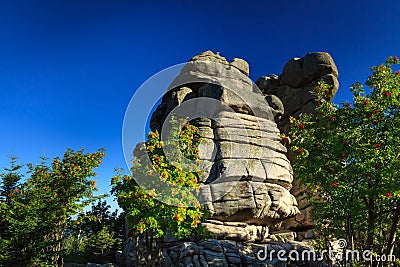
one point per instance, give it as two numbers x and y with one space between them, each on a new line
69 68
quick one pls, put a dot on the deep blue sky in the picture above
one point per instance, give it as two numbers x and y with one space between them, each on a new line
69 68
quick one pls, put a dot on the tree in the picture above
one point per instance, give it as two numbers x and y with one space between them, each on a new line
101 240
165 201
98 216
348 158
37 214
10 180
84 230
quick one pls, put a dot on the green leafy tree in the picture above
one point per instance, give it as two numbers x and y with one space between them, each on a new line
38 211
166 200
348 158
98 216
102 240
74 243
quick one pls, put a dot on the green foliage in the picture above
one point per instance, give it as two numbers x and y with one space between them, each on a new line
347 156
84 231
102 240
165 201
36 215
10 180
94 220
75 243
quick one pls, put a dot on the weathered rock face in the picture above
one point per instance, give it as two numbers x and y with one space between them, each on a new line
247 176
298 78
293 87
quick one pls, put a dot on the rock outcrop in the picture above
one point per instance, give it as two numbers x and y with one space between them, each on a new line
247 176
247 182
299 76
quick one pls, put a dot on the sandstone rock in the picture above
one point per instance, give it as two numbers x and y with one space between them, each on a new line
167 261
293 74
319 64
215 259
208 67
284 236
249 201
277 106
240 232
298 78
189 249
209 56
187 261
299 72
309 234
233 259
211 244
301 220
247 103
196 261
268 84
172 99
241 142
174 255
241 65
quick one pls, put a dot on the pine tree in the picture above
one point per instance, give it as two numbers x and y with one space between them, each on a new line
10 179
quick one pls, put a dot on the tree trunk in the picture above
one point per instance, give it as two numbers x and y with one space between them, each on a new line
148 247
137 254
349 231
393 230
158 251
371 223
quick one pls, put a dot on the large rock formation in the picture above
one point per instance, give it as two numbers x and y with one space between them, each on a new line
247 176
247 184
